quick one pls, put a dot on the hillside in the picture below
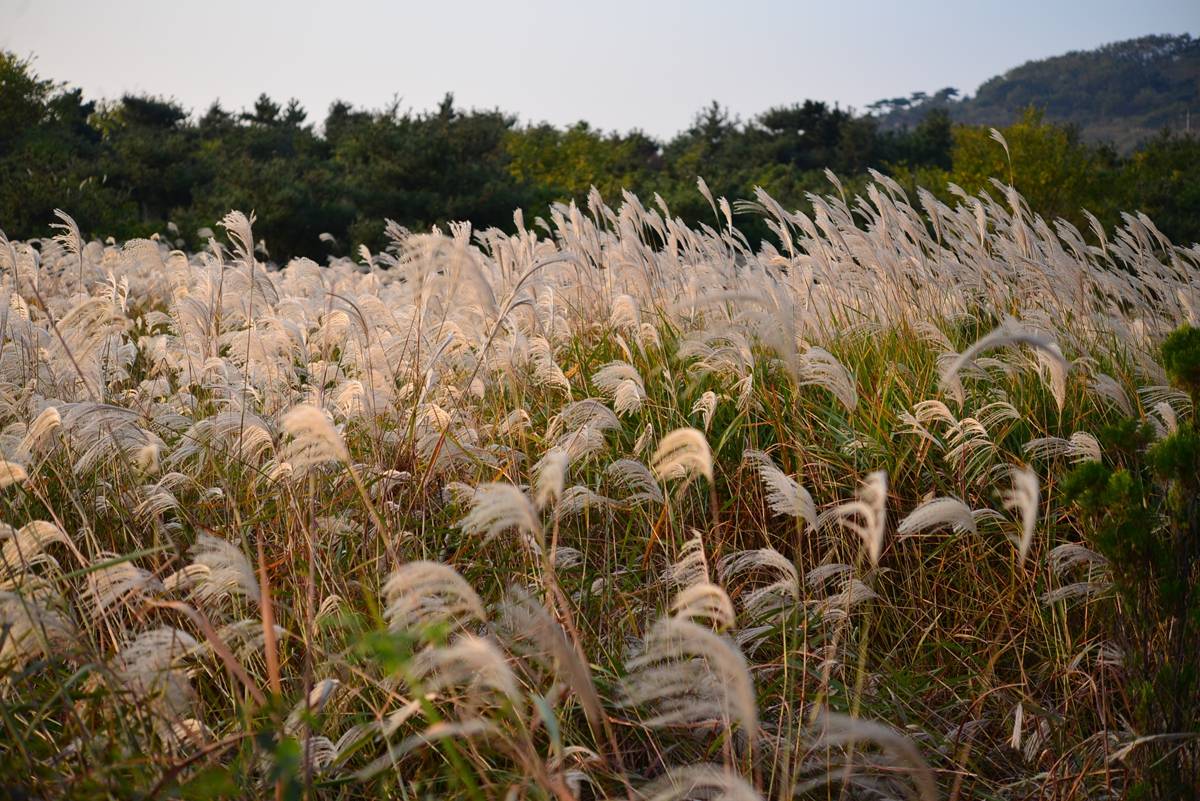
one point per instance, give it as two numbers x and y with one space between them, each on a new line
1122 93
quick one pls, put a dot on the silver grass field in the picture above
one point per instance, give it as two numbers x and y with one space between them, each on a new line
606 508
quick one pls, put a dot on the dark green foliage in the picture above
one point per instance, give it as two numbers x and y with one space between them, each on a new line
1145 520
1181 358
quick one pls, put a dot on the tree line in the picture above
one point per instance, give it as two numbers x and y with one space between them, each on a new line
142 165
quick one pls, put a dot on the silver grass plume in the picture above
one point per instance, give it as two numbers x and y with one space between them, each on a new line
706 406
221 570
149 667
314 439
575 500
704 603
421 595
785 496
1025 498
238 226
692 565
34 625
819 367
865 515
472 665
841 730
683 453
938 513
25 547
549 474
319 696
11 473
117 584
1071 554
699 783
632 475
528 629
1008 333
686 673
497 507
768 582
622 384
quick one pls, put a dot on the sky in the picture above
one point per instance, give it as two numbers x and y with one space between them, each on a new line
619 65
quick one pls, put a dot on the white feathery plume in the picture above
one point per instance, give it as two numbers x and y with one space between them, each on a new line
117 584
420 595
644 439
459 730
549 474
699 783
621 382
839 730
865 516
184 579
776 585
683 453
1108 387
497 507
246 637
575 500
227 571
69 237
565 557
632 475
314 439
914 426
838 605
1079 589
546 371
785 496
692 565
1046 447
1018 719
938 513
588 412
471 664
11 473
148 667
529 630
458 492
26 546
1166 412
704 603
820 574
819 367
33 625
688 674
706 406
1070 554
625 313
1053 368
238 226
1085 448
931 410
1025 497
581 443
36 439
319 696
1008 333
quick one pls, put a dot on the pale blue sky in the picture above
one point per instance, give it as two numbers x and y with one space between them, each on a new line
615 63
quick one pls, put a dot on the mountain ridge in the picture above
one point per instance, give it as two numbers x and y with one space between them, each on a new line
1123 92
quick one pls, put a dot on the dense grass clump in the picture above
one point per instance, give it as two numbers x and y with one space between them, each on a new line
904 505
